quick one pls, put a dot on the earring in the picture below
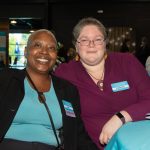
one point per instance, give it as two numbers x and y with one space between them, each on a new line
105 55
77 57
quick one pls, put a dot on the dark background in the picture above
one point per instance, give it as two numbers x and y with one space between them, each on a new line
61 15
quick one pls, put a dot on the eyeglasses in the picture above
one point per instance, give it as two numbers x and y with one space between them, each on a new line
86 42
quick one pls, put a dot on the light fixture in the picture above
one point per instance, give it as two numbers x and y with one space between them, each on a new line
31 31
13 21
100 11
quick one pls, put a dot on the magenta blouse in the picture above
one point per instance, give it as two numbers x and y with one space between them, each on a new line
97 107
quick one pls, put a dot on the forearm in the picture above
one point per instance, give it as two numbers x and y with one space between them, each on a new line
126 116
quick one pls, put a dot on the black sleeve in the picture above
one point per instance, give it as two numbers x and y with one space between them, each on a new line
75 136
84 141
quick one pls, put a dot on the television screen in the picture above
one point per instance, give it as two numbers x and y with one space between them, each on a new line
17 43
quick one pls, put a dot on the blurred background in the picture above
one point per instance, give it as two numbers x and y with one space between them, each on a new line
127 22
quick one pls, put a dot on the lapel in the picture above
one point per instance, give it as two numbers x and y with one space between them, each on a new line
16 84
58 87
59 90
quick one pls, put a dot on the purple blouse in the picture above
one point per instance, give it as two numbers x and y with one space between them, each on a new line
97 107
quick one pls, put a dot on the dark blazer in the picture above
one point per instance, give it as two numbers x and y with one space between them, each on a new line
12 93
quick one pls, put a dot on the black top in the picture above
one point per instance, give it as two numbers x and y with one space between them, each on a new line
11 96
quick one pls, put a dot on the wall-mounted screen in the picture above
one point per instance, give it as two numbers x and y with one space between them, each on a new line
17 43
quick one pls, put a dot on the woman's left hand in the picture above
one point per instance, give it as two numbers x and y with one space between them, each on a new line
108 130
111 126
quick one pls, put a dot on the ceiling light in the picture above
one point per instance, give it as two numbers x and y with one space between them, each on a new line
13 21
31 31
100 11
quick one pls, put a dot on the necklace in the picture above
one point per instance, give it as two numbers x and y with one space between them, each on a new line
99 83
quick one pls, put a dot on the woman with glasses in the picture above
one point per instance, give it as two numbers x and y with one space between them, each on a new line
114 87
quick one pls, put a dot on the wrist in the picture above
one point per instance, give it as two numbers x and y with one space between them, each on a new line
121 117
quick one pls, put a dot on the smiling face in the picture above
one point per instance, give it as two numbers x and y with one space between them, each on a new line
93 52
41 52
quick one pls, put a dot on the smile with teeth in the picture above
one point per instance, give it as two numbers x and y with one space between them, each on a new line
42 60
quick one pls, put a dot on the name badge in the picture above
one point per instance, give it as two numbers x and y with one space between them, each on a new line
68 109
120 86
